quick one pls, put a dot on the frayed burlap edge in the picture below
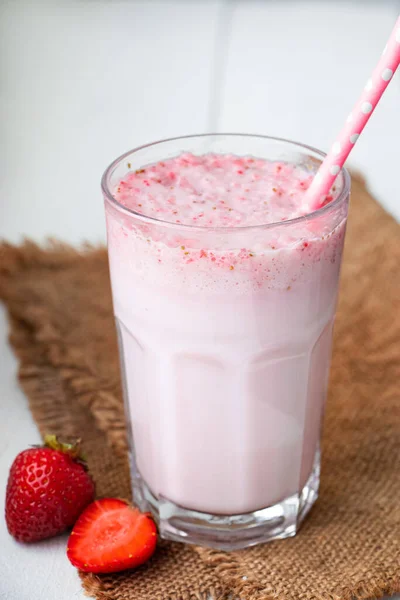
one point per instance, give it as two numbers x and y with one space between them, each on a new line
103 589
227 567
102 398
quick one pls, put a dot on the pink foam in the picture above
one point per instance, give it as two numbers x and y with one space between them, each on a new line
216 190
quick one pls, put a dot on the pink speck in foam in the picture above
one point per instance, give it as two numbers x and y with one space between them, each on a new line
231 191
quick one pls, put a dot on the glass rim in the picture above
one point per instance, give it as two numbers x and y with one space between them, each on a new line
344 193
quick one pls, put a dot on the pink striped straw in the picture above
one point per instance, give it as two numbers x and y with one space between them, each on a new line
355 122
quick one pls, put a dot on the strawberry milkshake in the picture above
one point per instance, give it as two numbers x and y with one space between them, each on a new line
224 293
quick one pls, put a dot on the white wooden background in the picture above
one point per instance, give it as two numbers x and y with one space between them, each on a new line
84 80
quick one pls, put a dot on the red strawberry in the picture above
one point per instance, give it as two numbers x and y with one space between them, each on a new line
48 488
110 536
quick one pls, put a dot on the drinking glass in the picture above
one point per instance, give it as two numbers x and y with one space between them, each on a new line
225 342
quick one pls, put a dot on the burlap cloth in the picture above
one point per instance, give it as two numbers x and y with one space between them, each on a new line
62 331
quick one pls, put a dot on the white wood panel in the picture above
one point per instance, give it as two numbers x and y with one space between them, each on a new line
295 69
82 82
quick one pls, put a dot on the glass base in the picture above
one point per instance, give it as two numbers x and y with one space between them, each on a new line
224 532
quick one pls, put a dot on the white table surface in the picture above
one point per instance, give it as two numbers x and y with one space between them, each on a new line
83 81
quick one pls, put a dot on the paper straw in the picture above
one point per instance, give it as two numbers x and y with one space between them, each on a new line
355 122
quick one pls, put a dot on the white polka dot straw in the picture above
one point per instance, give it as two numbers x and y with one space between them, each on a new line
356 121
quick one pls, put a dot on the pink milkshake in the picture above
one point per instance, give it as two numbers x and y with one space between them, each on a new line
224 295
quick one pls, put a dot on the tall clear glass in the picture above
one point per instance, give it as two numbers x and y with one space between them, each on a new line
225 363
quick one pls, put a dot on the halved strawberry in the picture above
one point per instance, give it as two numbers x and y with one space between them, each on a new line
110 536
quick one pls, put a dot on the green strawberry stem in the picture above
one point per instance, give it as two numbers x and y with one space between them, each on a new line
73 449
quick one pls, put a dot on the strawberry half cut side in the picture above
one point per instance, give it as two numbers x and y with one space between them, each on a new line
110 536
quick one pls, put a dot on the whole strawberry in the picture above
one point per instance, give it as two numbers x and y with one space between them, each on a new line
48 488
